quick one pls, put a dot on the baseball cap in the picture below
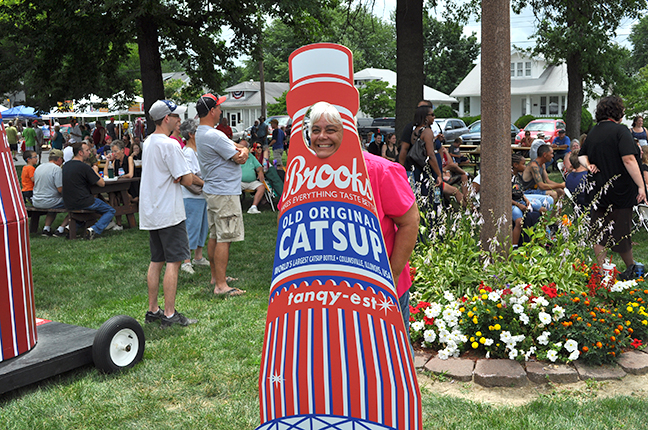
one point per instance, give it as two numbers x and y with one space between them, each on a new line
540 135
162 108
56 153
208 101
562 130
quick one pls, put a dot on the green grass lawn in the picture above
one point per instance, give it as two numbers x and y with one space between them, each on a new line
206 376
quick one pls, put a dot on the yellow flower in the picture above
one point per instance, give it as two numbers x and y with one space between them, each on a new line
472 339
470 314
475 309
644 322
475 345
497 326
634 304
475 320
478 334
501 317
628 323
484 296
629 309
499 306
482 340
482 291
462 309
491 328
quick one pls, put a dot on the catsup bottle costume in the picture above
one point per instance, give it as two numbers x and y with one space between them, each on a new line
335 351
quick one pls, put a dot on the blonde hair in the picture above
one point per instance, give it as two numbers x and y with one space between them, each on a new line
327 110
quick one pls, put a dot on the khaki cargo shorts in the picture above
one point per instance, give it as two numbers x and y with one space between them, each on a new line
225 218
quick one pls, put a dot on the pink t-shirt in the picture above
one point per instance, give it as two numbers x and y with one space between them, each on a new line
393 196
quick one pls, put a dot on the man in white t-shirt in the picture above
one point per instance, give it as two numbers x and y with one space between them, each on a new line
48 186
75 132
220 161
161 210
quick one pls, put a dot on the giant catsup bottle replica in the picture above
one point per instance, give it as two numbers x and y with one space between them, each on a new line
17 314
336 354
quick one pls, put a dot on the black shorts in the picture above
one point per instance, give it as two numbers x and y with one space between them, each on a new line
619 239
170 244
13 146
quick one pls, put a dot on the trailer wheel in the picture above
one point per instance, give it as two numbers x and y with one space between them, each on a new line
118 344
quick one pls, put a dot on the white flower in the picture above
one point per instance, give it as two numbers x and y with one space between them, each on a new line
505 336
443 354
494 296
440 323
449 296
417 325
433 310
545 318
444 336
574 355
571 345
518 308
489 342
543 339
429 336
552 355
524 318
558 312
513 353
488 354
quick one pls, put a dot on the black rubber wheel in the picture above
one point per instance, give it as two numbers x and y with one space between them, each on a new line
118 344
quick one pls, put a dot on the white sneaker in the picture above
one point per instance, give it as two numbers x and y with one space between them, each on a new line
186 267
202 262
110 225
253 210
117 228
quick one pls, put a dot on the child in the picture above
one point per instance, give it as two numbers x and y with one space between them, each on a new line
455 152
27 176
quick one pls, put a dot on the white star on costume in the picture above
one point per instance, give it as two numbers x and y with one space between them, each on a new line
386 305
276 379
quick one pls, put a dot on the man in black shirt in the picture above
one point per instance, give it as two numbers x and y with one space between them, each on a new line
78 177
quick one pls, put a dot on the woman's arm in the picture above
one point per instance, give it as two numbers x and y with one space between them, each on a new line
131 168
428 138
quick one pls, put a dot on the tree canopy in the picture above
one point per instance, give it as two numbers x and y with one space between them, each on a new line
378 99
580 33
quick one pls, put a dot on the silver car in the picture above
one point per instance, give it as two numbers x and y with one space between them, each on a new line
451 128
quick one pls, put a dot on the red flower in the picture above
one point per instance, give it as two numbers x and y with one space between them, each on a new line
428 321
488 289
414 310
506 291
422 305
412 319
464 299
636 343
549 291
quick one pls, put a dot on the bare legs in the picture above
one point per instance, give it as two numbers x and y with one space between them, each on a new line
218 258
169 285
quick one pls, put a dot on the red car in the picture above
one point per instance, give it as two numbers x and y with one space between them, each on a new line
549 127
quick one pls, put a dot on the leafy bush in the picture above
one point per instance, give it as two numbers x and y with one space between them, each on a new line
524 120
470 119
444 111
587 122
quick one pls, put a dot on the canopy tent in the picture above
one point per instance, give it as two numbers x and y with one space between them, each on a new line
20 112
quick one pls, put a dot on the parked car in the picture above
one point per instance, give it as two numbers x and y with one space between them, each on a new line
549 127
451 128
474 136
237 135
383 126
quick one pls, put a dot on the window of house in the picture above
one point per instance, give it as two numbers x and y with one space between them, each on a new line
519 69
527 68
543 105
512 70
553 105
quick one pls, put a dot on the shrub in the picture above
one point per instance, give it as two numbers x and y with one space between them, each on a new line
445 111
470 119
524 120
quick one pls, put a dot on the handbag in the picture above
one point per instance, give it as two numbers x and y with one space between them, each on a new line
417 153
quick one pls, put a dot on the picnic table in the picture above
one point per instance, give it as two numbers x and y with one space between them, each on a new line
117 191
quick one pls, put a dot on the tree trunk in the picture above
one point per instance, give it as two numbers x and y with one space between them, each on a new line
573 114
150 64
496 123
409 60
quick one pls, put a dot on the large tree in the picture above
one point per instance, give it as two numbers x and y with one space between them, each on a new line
74 48
580 33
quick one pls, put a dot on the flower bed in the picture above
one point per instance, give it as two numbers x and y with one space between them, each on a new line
544 300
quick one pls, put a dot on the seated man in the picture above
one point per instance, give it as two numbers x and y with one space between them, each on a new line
561 146
455 152
453 175
535 179
78 177
537 143
375 147
48 186
540 203
252 175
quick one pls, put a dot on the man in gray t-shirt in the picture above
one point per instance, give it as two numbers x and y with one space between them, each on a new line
48 186
220 161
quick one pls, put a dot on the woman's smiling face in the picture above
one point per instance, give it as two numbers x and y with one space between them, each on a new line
326 138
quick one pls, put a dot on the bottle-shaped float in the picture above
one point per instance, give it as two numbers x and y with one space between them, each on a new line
17 312
336 353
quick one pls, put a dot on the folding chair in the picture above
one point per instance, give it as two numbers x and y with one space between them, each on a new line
269 194
561 167
640 216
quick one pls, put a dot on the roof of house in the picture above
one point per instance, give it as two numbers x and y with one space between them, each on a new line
273 91
553 80
371 74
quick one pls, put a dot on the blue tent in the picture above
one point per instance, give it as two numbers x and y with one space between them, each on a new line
20 112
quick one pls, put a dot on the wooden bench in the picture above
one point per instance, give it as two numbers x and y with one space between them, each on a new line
80 215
